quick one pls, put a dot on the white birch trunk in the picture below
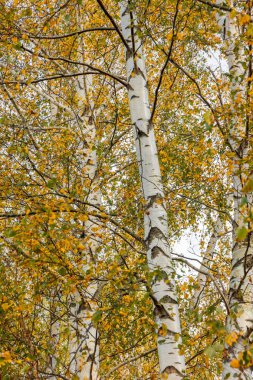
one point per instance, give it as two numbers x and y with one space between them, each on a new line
155 219
240 319
55 335
206 262
84 343
54 321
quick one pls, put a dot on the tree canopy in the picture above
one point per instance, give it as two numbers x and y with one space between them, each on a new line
126 124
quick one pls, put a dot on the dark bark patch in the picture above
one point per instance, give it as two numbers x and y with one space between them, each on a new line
155 252
168 299
172 370
90 358
134 96
161 312
153 199
141 133
129 53
249 261
155 233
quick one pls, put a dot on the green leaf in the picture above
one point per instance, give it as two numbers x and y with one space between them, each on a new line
213 350
28 12
97 316
241 233
244 201
10 232
18 46
62 271
52 183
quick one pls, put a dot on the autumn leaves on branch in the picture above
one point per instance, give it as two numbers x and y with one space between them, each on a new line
119 134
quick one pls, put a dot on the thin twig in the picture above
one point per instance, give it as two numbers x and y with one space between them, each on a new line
77 33
114 24
217 6
209 275
61 59
128 361
174 33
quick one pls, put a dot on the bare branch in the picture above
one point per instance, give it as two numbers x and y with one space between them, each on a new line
77 33
17 108
211 277
52 77
174 33
96 69
128 361
224 8
114 24
207 103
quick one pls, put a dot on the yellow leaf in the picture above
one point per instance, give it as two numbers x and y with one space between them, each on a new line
231 338
5 306
183 287
234 363
233 13
6 356
244 19
14 40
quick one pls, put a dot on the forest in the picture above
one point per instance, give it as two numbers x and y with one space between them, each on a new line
125 127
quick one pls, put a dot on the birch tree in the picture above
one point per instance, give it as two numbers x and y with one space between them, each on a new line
237 32
84 345
155 223
206 261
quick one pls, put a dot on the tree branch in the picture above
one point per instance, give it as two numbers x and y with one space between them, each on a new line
48 57
77 33
114 24
207 103
224 8
211 277
56 76
174 33
128 361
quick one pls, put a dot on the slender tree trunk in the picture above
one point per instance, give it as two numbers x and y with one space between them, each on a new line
84 342
155 219
240 320
206 262
55 334
84 348
54 321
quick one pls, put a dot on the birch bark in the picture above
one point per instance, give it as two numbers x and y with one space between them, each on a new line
155 218
83 345
208 257
54 321
240 320
84 340
54 334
